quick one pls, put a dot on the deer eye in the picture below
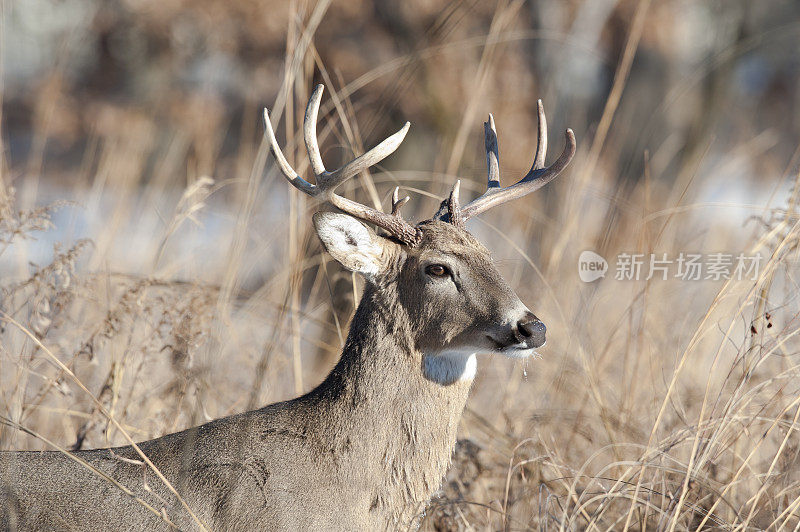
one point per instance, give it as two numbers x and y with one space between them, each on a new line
437 270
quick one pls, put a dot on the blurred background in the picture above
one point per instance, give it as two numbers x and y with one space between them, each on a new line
149 244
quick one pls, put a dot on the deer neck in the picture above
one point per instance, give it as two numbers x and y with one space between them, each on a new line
386 412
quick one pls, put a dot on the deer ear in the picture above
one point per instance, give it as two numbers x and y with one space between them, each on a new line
354 245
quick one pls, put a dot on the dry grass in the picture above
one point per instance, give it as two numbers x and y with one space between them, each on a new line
174 297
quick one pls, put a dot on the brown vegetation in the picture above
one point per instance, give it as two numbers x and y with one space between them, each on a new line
177 293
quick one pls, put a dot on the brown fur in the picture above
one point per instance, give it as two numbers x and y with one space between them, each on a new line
365 450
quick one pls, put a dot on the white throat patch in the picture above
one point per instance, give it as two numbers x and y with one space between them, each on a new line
448 367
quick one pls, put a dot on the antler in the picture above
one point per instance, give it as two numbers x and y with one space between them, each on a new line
326 182
537 177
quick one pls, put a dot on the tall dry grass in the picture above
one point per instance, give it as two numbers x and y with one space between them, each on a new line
187 283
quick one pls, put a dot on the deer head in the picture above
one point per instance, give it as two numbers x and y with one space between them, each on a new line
441 277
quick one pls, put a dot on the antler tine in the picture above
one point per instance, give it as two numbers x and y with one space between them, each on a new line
453 208
492 152
370 158
541 141
398 203
327 182
446 212
287 170
537 177
310 131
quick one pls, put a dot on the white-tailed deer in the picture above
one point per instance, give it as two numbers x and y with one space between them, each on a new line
365 449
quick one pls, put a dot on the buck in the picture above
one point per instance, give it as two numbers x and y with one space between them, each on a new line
365 449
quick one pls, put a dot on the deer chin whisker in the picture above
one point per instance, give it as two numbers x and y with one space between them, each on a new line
519 351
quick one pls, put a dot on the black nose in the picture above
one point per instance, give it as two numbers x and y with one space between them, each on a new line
531 330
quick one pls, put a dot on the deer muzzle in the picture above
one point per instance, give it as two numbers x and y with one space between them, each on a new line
519 338
531 331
